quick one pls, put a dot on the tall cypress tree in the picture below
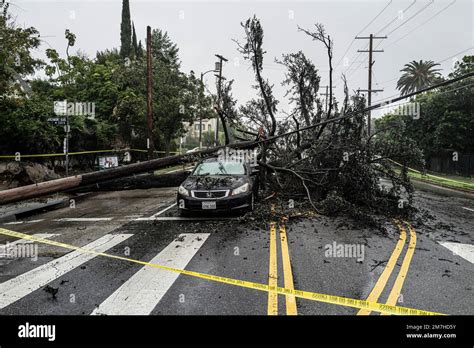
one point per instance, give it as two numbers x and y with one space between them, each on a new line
134 42
140 49
125 31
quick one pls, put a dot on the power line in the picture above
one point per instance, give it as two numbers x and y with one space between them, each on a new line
351 72
413 16
396 17
440 61
385 82
353 114
428 20
360 31
454 55
388 98
373 76
455 89
408 102
409 18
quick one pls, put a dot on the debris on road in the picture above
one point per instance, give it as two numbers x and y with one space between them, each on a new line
50 290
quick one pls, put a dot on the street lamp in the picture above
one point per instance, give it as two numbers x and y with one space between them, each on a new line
219 65
200 114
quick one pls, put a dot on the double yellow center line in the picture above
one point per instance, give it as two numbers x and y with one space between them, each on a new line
273 271
382 281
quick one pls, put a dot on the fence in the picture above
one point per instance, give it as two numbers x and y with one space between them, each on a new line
447 163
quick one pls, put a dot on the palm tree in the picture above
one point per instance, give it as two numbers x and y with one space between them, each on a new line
417 75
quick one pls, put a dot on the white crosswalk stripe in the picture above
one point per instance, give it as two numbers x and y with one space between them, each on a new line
23 222
83 219
24 284
466 251
140 294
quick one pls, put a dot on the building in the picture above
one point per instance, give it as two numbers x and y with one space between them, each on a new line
192 131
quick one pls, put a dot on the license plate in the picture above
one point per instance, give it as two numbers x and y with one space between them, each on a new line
209 205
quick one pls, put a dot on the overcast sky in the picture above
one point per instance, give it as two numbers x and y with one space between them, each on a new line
435 30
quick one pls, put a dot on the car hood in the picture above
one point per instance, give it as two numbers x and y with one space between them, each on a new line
214 182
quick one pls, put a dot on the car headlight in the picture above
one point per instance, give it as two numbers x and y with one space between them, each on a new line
240 189
183 191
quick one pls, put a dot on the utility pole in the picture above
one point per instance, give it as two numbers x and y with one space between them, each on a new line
369 89
219 84
200 115
200 111
66 143
326 96
149 90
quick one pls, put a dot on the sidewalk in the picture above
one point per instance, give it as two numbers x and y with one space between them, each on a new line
452 182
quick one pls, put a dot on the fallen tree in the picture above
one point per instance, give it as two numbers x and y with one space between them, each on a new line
49 187
136 182
331 162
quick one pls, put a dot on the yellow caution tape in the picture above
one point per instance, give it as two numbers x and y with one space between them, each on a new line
37 155
78 153
60 154
337 300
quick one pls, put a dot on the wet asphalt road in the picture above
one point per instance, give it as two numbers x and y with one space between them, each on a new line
436 278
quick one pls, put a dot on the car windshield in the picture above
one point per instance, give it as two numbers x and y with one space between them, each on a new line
219 168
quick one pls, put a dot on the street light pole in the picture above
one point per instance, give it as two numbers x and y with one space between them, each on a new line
149 95
221 59
66 144
200 111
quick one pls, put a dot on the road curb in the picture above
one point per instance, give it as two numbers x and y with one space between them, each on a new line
425 186
56 204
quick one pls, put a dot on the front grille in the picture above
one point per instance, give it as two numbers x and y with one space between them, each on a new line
221 204
209 194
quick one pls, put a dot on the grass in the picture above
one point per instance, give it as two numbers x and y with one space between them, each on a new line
450 181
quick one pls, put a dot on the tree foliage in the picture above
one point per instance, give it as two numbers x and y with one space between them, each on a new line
252 49
303 81
116 87
336 166
126 31
446 120
417 75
